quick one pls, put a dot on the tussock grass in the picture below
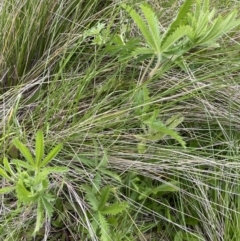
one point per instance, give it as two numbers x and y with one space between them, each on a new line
55 79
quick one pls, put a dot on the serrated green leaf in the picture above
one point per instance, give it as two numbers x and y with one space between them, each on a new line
167 187
57 169
39 148
175 36
140 23
22 164
51 155
40 215
161 130
39 178
104 228
92 200
197 9
220 26
5 175
23 194
6 190
230 22
205 5
202 24
213 32
179 20
104 161
182 236
142 51
47 205
88 162
153 24
174 121
110 174
24 151
104 195
114 209
7 167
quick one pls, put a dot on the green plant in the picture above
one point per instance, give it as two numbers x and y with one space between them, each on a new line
153 128
189 30
30 179
104 208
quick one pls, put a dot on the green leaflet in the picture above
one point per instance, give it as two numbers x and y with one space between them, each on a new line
153 25
104 195
40 215
141 24
179 20
114 209
6 190
5 175
175 36
51 155
24 151
161 131
39 147
104 227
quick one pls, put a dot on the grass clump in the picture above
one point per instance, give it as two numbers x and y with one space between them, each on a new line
145 106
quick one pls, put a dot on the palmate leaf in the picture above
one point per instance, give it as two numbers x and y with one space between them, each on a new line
114 209
51 155
141 24
24 151
39 148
